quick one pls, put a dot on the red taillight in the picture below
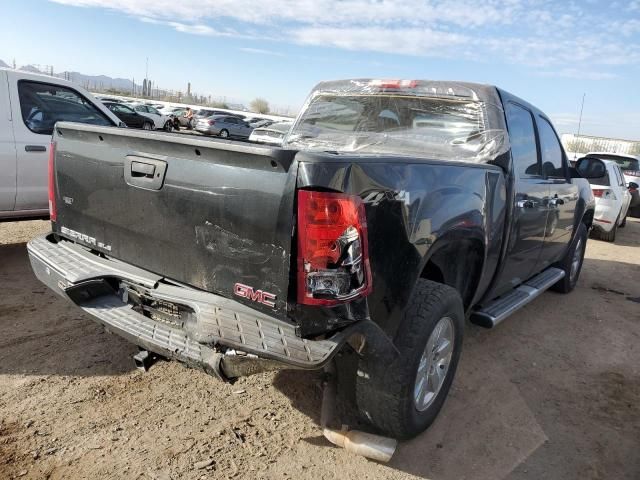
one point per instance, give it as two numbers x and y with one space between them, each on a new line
394 84
598 192
53 213
333 255
212 122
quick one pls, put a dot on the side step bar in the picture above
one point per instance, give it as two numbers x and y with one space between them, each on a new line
493 313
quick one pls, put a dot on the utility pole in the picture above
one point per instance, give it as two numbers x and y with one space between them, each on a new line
579 122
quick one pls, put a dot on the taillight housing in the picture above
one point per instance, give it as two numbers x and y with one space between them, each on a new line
333 254
53 212
604 193
212 122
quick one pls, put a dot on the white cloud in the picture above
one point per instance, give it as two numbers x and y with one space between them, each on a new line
261 51
562 38
585 74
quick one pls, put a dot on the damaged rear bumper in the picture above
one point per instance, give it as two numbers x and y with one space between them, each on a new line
220 336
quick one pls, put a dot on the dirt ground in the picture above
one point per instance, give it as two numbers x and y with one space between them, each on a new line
552 393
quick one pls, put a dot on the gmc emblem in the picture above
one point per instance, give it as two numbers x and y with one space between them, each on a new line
245 291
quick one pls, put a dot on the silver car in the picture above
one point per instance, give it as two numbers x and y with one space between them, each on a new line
224 126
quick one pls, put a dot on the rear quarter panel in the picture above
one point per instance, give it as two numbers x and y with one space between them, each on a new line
413 207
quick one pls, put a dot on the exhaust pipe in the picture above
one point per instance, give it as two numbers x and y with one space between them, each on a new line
368 445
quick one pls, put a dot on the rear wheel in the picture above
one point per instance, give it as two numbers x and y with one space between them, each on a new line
224 133
624 221
609 236
572 261
403 398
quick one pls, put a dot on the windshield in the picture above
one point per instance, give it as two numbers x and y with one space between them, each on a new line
392 123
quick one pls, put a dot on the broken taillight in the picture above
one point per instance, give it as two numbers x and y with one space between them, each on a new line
333 257
53 213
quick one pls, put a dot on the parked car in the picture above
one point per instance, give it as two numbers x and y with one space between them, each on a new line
160 121
30 105
374 233
180 118
129 116
273 134
630 165
260 122
612 198
225 126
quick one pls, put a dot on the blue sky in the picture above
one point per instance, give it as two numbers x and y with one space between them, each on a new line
548 52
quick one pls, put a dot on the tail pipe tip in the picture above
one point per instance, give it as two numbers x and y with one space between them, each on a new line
368 445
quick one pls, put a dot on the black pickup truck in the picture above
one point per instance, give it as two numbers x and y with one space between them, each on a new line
394 211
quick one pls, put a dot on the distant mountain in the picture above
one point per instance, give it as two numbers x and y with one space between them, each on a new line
91 82
30 69
97 82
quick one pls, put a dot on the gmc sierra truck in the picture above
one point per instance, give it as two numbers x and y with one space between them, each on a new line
394 211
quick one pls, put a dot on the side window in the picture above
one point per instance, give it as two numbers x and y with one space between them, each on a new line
551 150
522 138
153 110
43 104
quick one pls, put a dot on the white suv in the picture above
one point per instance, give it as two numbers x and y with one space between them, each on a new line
612 201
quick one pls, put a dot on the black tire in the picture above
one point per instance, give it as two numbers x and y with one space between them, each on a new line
385 392
168 127
224 133
569 281
147 126
609 236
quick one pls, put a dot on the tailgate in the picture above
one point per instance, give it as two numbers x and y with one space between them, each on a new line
202 212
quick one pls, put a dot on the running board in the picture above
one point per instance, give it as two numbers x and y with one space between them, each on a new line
493 313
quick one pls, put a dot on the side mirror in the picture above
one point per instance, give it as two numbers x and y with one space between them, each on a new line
633 186
591 167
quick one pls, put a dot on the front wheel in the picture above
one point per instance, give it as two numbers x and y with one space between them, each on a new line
403 398
224 133
572 261
147 126
168 127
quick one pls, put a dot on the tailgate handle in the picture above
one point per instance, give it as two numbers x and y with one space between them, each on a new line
146 173
139 169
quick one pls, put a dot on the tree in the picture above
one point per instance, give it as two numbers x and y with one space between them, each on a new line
259 105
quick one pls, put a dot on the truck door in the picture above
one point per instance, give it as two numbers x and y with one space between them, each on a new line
7 149
531 191
563 195
36 107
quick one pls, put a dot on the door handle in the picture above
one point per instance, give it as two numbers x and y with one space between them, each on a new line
526 204
555 201
35 148
140 169
145 173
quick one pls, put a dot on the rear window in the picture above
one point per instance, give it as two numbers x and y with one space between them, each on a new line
624 163
397 124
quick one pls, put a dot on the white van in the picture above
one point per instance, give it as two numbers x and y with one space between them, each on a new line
30 105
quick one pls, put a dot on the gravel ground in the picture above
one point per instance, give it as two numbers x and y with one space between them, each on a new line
553 393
